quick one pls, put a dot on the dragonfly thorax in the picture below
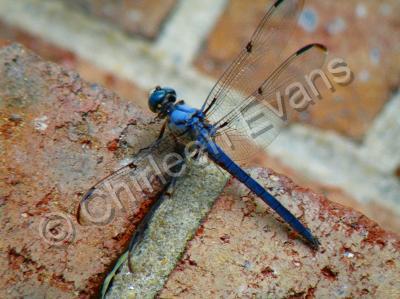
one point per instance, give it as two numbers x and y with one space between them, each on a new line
187 122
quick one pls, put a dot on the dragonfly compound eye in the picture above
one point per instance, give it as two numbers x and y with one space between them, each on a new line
159 97
156 99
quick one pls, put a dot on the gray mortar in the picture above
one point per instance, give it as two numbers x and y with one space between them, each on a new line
172 225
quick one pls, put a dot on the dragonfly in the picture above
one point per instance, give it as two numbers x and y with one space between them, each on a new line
241 114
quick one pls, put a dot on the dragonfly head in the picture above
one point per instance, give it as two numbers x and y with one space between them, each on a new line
160 99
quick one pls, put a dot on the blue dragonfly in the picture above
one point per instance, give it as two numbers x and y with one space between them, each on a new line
241 114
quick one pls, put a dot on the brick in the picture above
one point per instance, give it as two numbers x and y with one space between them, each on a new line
243 250
361 33
56 131
135 17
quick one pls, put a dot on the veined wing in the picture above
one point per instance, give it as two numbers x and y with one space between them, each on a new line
258 119
144 176
268 41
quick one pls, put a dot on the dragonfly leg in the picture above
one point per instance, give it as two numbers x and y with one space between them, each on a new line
162 131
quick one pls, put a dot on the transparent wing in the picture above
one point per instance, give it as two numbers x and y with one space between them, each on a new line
143 177
258 119
262 53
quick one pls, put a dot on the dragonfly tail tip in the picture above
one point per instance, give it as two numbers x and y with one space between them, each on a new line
315 243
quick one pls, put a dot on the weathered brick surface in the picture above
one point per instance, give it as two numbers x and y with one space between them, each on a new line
243 250
360 32
59 135
137 17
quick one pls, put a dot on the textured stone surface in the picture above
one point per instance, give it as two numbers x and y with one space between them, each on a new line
362 32
143 17
59 135
243 250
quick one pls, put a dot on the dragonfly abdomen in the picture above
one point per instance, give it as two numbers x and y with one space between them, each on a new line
223 160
